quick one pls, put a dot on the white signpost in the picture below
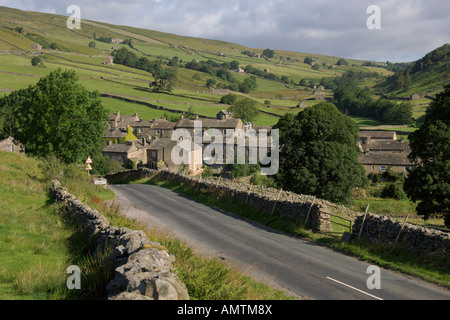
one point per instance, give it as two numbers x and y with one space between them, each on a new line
88 164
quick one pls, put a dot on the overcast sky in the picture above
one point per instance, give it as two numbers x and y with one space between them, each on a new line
409 28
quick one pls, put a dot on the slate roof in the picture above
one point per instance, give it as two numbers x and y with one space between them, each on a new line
385 158
124 147
377 134
211 123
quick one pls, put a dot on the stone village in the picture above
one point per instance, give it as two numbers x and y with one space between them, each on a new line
150 144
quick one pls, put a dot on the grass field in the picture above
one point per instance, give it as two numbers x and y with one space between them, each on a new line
33 250
190 90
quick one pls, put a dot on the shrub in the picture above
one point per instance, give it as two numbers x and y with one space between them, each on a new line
394 191
262 180
36 61
228 99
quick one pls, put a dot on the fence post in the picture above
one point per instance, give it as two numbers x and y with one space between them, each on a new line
278 197
198 183
309 211
218 181
362 223
403 225
248 193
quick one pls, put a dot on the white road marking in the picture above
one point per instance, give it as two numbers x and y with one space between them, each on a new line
344 284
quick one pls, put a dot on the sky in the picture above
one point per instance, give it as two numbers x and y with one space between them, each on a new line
406 29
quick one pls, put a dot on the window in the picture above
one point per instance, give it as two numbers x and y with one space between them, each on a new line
383 168
373 168
140 130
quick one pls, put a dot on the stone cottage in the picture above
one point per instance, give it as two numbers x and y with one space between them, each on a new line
10 145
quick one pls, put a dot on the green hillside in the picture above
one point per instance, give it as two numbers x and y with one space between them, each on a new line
282 81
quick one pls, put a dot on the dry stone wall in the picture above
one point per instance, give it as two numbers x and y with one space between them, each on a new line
144 269
300 208
381 229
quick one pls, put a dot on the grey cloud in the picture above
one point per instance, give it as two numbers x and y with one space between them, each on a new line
409 30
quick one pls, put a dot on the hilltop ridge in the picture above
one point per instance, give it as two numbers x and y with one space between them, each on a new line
285 81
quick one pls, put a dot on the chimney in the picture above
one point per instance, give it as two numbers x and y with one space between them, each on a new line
109 143
196 117
181 117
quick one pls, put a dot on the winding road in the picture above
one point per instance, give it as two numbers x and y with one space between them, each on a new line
297 266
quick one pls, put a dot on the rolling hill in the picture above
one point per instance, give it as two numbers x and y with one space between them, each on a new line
127 89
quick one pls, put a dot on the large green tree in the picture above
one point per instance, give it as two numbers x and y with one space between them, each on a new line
319 153
245 109
428 182
57 116
164 77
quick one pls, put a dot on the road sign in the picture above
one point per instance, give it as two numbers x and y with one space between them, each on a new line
100 181
88 167
89 160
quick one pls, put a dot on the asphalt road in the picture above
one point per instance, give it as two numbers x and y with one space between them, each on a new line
308 270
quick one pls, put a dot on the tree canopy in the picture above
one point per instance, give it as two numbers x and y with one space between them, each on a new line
57 116
245 109
428 182
352 100
164 79
319 153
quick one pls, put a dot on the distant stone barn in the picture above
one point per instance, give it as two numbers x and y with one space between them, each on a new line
36 47
108 61
319 95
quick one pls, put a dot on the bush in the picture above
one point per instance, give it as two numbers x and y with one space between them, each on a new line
262 180
394 191
36 61
54 46
228 99
207 172
132 165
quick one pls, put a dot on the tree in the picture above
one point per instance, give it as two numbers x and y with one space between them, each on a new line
210 83
342 62
58 116
428 182
245 109
229 99
399 114
308 60
268 53
319 153
92 44
163 79
248 85
36 61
